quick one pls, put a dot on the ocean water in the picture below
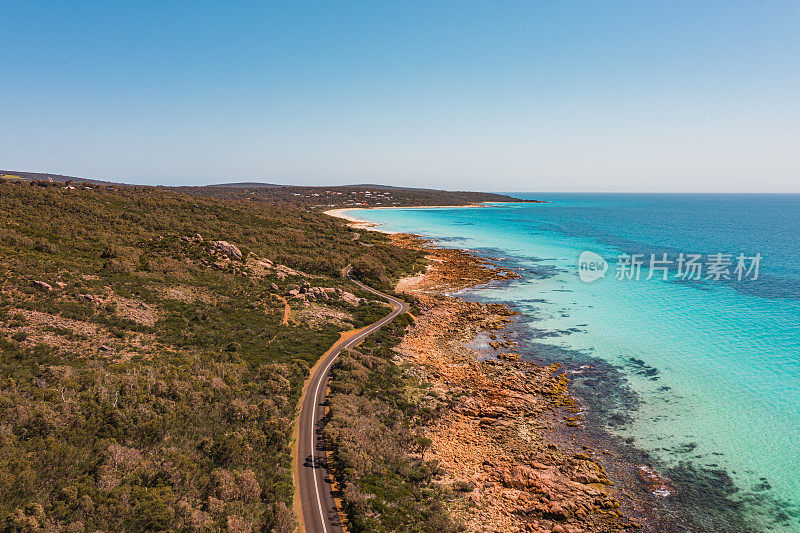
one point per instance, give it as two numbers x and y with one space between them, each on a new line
707 371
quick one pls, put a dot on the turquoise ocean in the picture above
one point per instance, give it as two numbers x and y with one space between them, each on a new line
700 376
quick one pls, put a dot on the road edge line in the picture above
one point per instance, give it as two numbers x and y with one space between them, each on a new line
297 506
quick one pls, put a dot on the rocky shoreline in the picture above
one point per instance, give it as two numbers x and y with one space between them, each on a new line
503 446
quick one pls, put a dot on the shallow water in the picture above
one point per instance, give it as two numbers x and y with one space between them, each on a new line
713 365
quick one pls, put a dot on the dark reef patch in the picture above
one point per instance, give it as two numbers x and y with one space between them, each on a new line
705 497
640 368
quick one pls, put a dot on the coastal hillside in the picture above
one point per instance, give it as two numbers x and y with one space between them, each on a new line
364 195
154 346
350 195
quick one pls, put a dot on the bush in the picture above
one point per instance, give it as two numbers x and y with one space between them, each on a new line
42 245
153 512
371 271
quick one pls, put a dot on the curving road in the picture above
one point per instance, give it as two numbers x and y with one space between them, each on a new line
319 508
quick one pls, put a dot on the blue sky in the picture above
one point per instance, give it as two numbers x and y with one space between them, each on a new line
528 96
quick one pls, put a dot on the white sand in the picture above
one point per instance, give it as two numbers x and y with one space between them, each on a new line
356 223
359 223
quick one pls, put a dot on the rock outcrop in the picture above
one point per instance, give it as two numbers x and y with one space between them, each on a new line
498 440
227 248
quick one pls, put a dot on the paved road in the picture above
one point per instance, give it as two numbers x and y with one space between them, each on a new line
319 508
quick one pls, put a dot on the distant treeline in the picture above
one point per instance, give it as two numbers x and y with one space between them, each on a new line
366 195
350 196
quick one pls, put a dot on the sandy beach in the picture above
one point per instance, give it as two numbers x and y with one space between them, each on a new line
358 223
354 222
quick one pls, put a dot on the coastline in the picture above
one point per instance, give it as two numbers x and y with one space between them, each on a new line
526 446
653 494
510 438
354 222
360 223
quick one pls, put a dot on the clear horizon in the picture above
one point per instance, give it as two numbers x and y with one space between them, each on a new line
574 97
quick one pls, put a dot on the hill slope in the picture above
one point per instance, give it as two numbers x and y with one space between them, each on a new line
366 195
149 374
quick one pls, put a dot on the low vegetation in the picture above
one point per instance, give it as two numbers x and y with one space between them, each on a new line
366 195
348 196
377 412
148 380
